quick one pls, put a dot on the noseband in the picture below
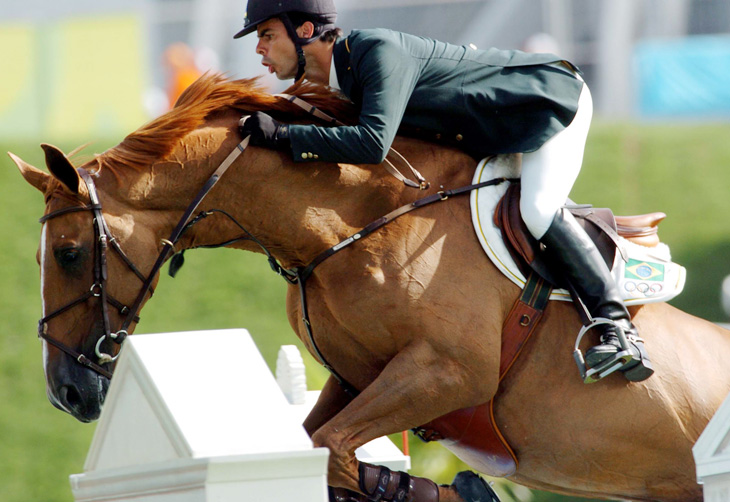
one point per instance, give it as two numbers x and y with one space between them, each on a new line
102 240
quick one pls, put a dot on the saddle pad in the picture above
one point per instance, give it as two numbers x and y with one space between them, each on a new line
647 276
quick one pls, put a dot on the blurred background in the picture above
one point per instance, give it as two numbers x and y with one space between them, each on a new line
83 71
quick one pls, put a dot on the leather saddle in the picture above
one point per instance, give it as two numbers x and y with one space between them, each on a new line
601 225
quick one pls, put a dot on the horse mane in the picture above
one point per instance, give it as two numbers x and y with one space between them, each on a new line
209 96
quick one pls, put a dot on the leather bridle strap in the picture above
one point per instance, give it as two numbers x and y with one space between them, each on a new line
67 210
78 356
169 244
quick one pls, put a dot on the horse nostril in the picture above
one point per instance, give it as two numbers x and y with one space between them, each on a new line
71 398
82 405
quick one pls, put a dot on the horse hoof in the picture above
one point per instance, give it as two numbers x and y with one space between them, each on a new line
473 488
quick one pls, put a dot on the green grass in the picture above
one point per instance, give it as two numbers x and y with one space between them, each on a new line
679 169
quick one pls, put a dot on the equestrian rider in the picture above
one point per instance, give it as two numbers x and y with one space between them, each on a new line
485 102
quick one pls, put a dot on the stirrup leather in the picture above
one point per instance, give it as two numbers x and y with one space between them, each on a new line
611 364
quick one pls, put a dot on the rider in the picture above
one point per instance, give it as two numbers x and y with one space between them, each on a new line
485 102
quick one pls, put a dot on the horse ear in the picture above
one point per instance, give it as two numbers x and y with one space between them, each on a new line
32 175
61 168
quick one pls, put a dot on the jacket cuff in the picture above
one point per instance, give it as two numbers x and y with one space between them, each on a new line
300 152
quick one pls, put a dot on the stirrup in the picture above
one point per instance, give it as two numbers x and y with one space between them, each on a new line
613 363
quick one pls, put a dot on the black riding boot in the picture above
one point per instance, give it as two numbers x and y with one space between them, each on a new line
576 257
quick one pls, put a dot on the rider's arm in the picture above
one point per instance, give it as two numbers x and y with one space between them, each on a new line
387 75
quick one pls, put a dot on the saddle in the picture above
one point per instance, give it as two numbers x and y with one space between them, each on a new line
601 225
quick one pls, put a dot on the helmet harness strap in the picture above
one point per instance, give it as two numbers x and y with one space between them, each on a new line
299 43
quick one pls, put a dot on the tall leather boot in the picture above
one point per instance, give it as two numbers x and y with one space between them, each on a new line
575 255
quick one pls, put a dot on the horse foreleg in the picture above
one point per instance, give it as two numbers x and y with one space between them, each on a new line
331 401
419 384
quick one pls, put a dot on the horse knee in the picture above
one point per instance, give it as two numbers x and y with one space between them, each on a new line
327 437
342 468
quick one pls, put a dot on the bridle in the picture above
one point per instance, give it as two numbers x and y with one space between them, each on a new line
102 240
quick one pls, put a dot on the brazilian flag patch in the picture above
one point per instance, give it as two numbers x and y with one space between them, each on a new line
644 270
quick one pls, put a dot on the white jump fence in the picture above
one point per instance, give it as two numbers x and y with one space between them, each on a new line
198 416
712 456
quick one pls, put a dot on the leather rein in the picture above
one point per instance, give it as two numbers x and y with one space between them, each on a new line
294 276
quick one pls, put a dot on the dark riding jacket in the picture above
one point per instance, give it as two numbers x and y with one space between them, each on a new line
485 102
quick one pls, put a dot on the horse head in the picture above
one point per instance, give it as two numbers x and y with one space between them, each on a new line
81 306
107 221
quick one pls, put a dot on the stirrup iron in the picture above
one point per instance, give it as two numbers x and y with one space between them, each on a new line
610 365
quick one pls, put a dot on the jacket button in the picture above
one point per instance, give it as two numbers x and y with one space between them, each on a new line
304 155
459 137
438 136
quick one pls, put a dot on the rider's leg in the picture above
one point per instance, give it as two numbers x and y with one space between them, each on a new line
548 175
569 246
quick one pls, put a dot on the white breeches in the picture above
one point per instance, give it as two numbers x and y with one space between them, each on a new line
548 174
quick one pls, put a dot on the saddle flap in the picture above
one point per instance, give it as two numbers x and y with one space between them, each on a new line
599 224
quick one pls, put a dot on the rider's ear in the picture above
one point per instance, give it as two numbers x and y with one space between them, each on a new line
61 168
306 30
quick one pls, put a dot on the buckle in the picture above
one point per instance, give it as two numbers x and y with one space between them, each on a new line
427 435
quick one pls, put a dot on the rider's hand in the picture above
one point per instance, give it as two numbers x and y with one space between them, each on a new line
265 131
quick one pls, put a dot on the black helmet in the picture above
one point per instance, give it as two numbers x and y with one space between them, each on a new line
258 11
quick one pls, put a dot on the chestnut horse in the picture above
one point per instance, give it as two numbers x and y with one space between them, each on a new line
411 316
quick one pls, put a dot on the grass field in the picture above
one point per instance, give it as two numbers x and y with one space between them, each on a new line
679 169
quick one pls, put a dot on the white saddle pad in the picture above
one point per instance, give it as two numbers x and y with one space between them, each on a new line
648 275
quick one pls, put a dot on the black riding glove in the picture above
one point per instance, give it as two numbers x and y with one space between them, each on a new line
266 132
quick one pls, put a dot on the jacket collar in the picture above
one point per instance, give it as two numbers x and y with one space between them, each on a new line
341 62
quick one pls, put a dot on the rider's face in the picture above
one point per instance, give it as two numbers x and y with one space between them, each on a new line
277 49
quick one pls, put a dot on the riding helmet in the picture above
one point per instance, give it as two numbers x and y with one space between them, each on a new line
259 11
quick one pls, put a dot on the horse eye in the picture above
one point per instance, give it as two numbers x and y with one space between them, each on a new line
69 258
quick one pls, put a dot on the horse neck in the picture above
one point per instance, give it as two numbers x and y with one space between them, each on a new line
300 209
295 210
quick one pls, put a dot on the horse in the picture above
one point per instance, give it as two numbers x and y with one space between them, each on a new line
409 317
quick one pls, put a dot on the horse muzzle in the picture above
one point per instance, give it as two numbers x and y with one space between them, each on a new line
77 390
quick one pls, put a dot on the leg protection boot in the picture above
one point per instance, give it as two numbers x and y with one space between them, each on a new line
576 257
